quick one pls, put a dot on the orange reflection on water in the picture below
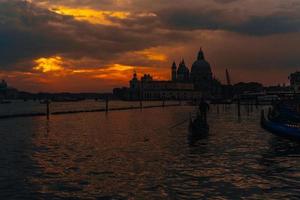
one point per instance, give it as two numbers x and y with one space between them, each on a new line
98 154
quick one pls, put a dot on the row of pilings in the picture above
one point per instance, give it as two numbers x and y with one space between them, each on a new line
249 105
106 109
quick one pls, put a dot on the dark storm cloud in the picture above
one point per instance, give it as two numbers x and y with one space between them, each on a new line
225 1
28 32
78 3
269 25
239 16
242 16
218 19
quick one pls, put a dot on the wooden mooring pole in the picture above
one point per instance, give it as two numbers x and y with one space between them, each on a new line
141 104
106 105
251 106
48 109
248 109
256 103
239 107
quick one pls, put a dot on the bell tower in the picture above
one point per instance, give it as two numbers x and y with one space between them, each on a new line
174 71
134 83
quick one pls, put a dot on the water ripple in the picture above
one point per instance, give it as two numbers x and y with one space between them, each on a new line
135 155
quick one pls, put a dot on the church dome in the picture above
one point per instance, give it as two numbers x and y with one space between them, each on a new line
201 65
183 73
182 69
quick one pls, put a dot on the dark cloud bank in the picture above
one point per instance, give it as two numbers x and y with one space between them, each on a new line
28 32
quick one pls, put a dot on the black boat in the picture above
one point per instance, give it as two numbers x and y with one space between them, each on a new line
288 114
198 128
280 128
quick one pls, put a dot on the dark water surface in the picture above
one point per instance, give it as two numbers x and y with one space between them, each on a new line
138 155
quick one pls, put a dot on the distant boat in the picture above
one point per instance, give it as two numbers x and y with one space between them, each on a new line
43 101
280 128
67 99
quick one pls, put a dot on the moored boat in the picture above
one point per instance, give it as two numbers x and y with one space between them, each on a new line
280 128
289 114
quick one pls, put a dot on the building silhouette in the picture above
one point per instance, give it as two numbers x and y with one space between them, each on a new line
148 89
7 92
200 76
295 82
3 84
183 73
184 83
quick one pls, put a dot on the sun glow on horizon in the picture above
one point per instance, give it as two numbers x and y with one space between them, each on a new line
50 64
49 70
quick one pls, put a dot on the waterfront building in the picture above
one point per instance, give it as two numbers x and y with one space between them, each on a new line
295 82
184 83
3 85
7 92
149 89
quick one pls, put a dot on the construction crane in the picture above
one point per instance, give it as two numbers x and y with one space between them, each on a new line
228 77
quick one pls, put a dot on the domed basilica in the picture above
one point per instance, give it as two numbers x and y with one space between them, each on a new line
200 75
185 84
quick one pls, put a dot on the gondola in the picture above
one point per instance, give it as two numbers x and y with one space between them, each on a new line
198 128
279 128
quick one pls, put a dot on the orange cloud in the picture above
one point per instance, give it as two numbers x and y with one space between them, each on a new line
49 64
92 16
152 55
123 73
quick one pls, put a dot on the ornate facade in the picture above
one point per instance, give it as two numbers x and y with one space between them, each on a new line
148 89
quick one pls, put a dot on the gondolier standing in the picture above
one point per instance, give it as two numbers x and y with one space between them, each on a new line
203 108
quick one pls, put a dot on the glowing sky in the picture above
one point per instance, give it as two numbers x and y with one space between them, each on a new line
95 45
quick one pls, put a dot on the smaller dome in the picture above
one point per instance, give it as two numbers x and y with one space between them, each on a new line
182 68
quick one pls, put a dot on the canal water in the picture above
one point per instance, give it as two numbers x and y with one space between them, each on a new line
145 154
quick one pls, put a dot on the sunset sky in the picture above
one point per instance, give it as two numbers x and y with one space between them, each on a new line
95 45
